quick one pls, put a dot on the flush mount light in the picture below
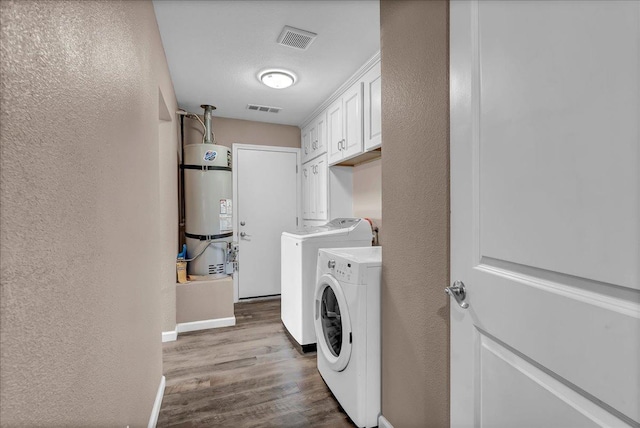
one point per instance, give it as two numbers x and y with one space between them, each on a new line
278 79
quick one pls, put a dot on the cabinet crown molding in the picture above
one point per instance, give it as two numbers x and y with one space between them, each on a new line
338 93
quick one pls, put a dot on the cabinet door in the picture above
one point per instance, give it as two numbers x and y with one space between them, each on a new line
334 131
313 140
352 116
313 193
321 188
306 145
321 133
372 109
306 191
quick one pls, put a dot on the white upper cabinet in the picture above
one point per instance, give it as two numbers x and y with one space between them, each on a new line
306 144
344 124
335 131
372 82
314 138
320 146
352 105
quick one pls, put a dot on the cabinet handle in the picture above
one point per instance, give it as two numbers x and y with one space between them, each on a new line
306 152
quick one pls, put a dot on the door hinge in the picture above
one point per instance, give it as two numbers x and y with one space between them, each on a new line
296 169
296 221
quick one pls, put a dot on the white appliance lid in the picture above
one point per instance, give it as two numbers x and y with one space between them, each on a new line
371 256
336 227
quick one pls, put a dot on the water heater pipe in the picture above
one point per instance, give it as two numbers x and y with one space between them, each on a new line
208 109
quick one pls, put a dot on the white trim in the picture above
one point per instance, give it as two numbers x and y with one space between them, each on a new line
234 170
383 422
169 336
338 93
155 411
205 324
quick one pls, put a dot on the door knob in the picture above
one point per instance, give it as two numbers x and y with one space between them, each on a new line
242 223
458 292
243 234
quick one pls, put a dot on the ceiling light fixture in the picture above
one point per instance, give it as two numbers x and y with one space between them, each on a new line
277 79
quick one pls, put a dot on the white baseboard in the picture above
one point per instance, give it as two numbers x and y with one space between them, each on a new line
383 422
205 324
155 412
169 336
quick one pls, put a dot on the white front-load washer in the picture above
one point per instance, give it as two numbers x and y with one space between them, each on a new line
347 324
299 254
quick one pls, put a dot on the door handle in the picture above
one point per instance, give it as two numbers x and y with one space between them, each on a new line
458 292
243 234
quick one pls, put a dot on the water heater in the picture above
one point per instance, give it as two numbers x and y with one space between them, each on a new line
208 204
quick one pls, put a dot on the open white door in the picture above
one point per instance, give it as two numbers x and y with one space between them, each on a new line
545 213
266 188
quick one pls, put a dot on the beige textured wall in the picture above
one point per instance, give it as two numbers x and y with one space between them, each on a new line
415 203
168 153
80 299
229 131
204 300
367 192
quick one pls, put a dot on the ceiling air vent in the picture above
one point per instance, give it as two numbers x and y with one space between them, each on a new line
265 109
296 38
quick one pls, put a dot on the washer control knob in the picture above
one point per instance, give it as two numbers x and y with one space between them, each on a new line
331 264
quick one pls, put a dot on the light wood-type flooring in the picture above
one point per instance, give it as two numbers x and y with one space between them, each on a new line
248 375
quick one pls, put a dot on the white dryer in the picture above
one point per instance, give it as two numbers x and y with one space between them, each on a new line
347 323
299 254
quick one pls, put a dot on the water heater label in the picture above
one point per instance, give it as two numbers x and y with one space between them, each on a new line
226 223
225 206
226 215
210 155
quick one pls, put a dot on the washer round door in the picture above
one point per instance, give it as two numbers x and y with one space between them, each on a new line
332 323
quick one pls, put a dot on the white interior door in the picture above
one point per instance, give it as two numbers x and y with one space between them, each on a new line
545 213
267 205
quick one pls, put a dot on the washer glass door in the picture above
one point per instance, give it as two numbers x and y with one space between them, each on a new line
331 321
333 326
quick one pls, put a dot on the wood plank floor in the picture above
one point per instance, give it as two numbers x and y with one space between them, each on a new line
248 375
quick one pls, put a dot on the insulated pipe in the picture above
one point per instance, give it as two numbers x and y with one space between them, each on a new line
208 109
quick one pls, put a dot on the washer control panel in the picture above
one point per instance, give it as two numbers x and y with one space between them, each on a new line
344 270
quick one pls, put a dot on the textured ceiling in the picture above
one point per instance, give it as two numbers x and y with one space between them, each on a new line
215 50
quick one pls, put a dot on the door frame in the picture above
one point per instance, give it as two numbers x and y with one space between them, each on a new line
235 147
